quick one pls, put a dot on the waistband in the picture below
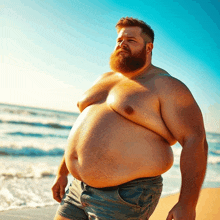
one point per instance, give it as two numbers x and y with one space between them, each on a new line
149 181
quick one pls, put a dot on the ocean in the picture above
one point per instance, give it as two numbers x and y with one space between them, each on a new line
32 143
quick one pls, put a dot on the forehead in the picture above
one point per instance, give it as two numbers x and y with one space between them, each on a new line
130 32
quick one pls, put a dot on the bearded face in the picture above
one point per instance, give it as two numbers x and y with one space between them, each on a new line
123 61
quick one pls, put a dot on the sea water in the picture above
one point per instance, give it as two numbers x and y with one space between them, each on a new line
32 143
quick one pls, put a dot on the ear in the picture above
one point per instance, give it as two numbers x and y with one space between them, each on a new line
149 47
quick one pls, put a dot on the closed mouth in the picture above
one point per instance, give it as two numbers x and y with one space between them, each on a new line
123 51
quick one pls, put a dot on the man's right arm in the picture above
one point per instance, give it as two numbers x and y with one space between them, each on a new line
60 182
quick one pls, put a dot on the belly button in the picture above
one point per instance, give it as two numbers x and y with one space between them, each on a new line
129 110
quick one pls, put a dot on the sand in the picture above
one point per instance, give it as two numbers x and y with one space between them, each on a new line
208 208
43 213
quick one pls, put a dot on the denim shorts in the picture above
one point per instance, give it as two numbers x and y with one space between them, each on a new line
133 200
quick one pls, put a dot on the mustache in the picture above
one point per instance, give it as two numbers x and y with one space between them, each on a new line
124 50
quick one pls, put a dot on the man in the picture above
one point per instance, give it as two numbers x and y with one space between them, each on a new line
121 142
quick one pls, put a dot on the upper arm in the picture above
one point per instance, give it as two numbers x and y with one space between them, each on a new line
180 111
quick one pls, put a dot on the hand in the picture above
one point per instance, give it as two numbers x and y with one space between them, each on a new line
182 212
58 188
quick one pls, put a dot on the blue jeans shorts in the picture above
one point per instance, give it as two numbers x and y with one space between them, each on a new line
133 200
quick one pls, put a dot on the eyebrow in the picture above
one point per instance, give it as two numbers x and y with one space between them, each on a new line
126 37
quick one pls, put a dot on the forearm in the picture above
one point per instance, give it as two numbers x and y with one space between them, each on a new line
62 169
193 164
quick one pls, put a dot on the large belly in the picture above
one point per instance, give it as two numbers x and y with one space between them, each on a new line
105 149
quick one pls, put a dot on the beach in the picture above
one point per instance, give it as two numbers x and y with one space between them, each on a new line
208 208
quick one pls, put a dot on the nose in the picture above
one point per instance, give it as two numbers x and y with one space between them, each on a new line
121 43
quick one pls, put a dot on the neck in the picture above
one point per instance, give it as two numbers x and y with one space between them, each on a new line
144 69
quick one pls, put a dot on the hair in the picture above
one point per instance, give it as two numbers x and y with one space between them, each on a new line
132 22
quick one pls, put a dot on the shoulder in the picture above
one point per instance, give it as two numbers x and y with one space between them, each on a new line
168 83
107 74
171 90
179 109
104 76
162 82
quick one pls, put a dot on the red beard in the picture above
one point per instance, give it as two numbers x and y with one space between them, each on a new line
129 63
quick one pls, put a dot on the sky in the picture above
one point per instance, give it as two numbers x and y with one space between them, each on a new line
52 51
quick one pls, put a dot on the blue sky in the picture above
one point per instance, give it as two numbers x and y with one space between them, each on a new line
52 50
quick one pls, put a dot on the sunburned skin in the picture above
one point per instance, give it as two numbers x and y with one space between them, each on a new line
120 134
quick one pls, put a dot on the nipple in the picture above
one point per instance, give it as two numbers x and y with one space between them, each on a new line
129 110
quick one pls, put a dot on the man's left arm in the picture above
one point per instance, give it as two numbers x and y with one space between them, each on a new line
183 118
193 167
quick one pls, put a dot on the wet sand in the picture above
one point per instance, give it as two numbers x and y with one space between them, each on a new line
41 213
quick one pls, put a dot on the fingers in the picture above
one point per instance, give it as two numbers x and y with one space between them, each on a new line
170 216
62 192
56 193
58 188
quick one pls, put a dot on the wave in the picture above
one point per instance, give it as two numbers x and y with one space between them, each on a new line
36 135
24 112
24 170
30 151
20 175
213 140
213 160
42 123
213 137
31 111
211 134
215 152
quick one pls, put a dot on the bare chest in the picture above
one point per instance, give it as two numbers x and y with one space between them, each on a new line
135 102
129 98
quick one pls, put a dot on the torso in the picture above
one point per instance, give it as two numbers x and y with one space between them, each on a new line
120 134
